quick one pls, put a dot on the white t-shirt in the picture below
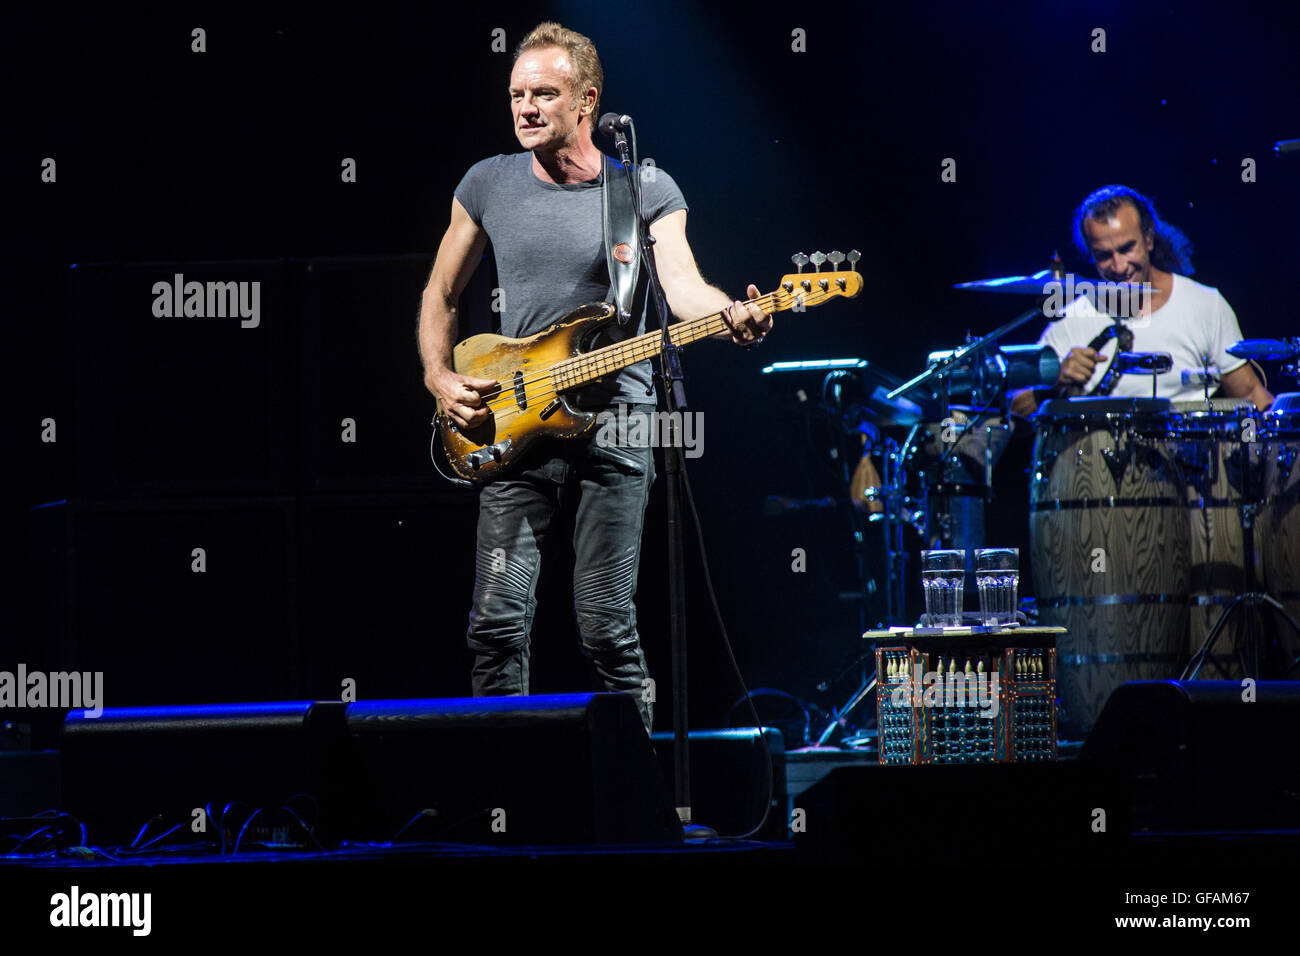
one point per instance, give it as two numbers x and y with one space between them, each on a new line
1194 325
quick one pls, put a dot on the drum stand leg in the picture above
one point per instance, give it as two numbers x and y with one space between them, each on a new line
837 718
1252 654
1253 636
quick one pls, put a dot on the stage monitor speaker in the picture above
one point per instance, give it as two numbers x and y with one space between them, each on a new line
1204 755
955 815
129 766
562 769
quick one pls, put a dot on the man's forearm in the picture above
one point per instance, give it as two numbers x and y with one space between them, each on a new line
437 332
704 300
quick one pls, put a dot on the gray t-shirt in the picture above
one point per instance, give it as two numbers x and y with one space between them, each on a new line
549 246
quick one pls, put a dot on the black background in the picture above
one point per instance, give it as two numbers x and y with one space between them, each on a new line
165 156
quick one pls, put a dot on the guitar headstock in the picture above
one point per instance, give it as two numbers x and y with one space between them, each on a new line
803 289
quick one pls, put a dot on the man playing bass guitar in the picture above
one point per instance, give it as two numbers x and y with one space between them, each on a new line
541 210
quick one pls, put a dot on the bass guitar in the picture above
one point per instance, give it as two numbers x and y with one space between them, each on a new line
538 375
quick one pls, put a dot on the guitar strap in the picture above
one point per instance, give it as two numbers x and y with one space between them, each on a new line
619 220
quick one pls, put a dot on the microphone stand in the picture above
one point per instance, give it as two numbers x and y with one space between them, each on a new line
672 376
962 354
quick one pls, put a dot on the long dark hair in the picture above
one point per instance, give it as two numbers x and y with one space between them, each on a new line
1171 252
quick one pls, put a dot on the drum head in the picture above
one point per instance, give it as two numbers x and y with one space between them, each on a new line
1286 402
1071 407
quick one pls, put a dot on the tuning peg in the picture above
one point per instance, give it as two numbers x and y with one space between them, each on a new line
800 260
817 259
836 257
853 258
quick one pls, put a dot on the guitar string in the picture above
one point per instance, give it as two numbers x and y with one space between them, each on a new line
505 411
593 358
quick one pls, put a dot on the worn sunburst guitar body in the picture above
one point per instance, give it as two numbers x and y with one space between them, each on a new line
537 376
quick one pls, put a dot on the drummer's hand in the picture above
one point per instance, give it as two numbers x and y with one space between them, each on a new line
1079 366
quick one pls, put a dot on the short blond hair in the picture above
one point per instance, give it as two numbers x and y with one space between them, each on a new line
587 71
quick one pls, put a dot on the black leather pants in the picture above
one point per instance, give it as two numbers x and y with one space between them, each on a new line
612 485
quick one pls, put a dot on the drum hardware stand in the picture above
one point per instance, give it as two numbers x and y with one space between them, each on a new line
897 513
837 716
1207 376
896 502
1154 364
1251 600
900 511
958 356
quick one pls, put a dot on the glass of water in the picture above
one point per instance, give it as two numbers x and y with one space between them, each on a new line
943 578
997 575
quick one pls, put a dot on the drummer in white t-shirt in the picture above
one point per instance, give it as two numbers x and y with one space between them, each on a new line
1127 241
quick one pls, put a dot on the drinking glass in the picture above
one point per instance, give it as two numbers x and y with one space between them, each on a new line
943 578
997 575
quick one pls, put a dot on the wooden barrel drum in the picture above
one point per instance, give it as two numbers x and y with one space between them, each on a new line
1109 547
1279 523
1206 442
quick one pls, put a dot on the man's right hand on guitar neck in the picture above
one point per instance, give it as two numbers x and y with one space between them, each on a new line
462 398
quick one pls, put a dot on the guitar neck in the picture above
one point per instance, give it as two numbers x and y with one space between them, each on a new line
590 366
799 291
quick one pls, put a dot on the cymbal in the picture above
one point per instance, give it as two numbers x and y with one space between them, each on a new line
1040 284
1264 350
893 411
1019 285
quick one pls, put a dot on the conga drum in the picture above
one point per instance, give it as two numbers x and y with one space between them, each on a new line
1279 524
1108 536
1206 443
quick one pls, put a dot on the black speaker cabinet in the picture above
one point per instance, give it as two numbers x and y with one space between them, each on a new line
1201 755
173 601
365 409
133 765
965 815
182 380
729 779
563 769
384 602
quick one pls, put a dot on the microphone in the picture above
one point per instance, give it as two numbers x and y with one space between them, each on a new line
612 123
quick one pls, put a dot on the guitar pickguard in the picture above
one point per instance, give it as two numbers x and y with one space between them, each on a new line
527 406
